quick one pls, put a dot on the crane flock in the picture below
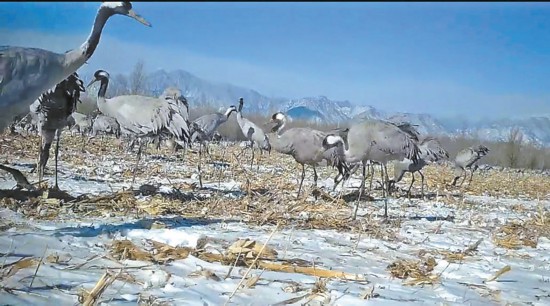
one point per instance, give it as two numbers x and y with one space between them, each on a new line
49 81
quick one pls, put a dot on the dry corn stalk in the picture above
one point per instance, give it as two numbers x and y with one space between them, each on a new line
250 249
91 298
499 273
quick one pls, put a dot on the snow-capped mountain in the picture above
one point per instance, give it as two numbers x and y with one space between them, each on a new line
322 109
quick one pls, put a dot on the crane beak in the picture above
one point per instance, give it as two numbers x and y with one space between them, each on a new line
136 16
91 82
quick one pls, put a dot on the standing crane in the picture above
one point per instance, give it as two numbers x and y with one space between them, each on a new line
144 117
306 146
378 141
467 159
208 124
431 151
52 111
252 132
26 73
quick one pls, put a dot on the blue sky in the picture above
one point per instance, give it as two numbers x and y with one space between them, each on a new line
479 60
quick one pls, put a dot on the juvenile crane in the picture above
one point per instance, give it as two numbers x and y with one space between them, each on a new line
208 124
374 140
305 145
26 73
80 122
431 151
467 160
51 111
252 132
105 125
144 117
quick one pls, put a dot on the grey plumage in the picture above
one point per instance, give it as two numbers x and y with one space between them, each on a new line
80 122
305 145
252 132
105 125
431 151
374 140
145 117
467 159
205 126
51 111
26 73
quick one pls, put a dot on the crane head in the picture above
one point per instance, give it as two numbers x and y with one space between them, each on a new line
98 75
331 141
123 8
278 116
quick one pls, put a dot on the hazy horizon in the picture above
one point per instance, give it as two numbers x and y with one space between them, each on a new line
446 59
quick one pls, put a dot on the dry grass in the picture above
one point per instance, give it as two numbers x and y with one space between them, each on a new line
416 272
515 236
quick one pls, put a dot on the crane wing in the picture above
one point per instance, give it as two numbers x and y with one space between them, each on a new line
25 73
432 150
148 116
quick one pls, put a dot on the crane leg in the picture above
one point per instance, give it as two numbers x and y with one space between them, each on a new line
382 176
410 186
46 140
252 160
58 135
386 180
471 176
422 179
101 142
385 195
361 190
315 177
464 173
371 167
137 163
301 181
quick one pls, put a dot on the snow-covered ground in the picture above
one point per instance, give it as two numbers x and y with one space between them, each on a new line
76 247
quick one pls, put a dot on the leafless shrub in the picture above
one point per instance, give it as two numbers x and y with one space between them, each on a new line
138 79
513 147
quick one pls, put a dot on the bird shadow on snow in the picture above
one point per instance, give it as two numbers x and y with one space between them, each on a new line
144 223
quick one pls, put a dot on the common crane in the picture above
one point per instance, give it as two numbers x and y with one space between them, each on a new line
431 151
252 132
80 123
467 159
105 125
207 125
144 117
26 73
305 145
52 110
374 140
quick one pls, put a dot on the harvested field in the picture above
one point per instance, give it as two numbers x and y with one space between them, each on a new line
244 238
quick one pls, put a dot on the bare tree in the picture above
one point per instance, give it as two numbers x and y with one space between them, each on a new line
120 85
138 79
513 147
